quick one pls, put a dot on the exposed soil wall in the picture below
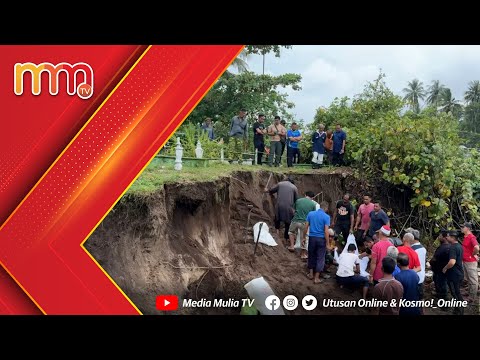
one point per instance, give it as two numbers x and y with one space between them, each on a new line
190 239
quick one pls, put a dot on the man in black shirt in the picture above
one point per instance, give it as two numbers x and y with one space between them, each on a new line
438 262
258 131
343 217
454 268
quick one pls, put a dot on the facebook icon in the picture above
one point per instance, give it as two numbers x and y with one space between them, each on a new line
272 302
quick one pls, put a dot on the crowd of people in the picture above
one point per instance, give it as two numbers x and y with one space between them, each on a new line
384 266
328 146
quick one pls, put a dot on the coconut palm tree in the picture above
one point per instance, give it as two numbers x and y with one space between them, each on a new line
240 62
413 93
472 95
449 104
434 93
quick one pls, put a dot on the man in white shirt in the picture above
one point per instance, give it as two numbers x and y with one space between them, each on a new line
422 256
349 269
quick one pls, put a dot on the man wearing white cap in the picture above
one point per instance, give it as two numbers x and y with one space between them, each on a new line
379 251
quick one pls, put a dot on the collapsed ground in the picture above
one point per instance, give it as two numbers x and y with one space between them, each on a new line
191 239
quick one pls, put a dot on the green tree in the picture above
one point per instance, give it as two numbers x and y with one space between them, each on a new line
406 151
449 104
256 93
472 95
265 49
470 124
434 93
413 93
240 62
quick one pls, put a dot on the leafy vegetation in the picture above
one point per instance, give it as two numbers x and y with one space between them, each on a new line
417 152
414 142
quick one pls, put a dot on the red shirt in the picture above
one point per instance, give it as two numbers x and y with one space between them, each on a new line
413 260
364 211
469 242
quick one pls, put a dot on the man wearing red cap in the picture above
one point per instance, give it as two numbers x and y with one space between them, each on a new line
379 251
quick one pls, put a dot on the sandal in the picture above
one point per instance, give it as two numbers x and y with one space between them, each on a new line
291 249
319 281
310 276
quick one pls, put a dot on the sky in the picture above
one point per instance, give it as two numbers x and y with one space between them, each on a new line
342 70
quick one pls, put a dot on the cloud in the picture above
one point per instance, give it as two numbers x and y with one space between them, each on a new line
330 71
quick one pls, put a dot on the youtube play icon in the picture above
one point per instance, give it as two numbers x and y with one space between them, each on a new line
167 302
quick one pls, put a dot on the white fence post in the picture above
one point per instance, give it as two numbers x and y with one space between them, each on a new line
222 157
199 150
178 155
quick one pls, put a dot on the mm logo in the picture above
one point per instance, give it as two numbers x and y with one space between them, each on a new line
84 89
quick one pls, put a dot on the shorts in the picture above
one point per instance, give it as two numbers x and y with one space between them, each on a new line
295 228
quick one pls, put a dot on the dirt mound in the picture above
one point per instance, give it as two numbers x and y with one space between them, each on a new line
192 240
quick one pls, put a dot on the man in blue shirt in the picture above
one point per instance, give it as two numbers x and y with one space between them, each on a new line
339 140
318 146
207 126
378 218
293 152
318 222
409 280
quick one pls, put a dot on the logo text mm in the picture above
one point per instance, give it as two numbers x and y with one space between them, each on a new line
84 89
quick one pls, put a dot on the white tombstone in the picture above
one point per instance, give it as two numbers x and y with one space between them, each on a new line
247 162
222 157
199 150
178 155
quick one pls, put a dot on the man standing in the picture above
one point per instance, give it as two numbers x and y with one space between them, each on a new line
239 134
409 280
438 262
388 289
293 152
379 251
287 194
454 269
363 217
329 146
470 259
302 207
258 132
378 218
422 256
276 130
343 217
283 139
208 128
318 146
317 224
339 140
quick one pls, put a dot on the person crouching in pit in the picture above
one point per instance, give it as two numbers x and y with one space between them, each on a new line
349 270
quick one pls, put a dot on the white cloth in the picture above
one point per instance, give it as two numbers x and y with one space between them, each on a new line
363 266
346 264
265 237
258 289
350 240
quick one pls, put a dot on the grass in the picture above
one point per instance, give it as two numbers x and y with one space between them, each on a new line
157 174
